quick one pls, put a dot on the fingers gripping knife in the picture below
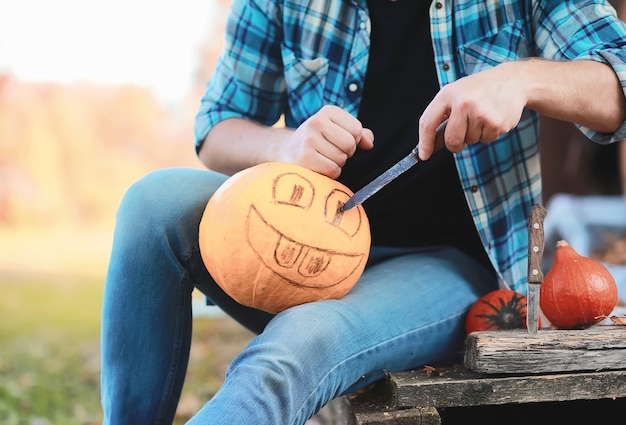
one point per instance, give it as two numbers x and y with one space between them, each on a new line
535 275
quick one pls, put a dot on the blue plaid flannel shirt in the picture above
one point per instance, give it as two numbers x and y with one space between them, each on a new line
289 58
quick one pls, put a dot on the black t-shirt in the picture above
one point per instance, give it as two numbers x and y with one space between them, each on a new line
425 205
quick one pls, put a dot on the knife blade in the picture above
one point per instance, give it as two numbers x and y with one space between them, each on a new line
535 275
392 173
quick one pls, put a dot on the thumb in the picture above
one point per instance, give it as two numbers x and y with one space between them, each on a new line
366 139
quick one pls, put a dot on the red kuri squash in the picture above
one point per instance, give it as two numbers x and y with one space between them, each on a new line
577 292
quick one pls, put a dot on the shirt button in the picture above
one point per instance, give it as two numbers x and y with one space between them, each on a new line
474 188
446 67
362 25
353 87
438 5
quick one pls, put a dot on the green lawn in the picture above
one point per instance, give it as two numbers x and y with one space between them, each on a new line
49 352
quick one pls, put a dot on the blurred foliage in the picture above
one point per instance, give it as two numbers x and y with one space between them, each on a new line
68 152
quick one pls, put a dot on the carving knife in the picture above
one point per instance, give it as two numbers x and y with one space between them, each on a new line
535 275
392 173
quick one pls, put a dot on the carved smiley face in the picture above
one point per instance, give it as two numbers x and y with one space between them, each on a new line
273 236
300 256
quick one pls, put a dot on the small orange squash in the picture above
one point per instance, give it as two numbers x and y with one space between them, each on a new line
577 292
498 309
273 236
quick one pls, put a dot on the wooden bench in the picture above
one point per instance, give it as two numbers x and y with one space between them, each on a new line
507 377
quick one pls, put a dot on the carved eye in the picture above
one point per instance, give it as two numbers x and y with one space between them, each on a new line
349 221
293 189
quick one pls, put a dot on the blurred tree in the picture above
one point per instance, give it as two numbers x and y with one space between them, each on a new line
68 152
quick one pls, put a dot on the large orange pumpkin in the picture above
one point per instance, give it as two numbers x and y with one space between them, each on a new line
273 236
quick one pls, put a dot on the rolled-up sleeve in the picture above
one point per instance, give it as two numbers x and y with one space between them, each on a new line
248 80
601 37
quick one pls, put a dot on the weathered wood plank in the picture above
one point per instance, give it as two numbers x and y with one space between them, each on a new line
418 415
549 351
371 406
415 416
459 387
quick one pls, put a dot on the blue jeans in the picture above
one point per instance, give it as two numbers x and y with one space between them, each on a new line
407 310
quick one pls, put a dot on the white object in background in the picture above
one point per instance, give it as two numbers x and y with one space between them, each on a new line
580 220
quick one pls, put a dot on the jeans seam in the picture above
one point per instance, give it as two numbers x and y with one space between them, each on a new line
176 351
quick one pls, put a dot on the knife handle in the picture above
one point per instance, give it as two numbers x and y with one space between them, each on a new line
535 243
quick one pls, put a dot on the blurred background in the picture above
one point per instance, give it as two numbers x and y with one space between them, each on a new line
93 95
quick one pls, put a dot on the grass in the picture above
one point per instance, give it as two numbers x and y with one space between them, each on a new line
49 355
49 369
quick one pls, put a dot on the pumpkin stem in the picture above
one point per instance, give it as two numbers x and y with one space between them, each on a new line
561 243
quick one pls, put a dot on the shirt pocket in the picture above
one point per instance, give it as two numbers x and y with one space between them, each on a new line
305 82
505 44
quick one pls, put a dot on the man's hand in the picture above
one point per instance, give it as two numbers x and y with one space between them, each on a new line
325 141
486 105
479 108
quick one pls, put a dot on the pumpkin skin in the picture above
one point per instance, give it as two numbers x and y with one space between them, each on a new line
498 309
272 237
577 292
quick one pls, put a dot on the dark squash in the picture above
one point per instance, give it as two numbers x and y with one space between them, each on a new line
498 309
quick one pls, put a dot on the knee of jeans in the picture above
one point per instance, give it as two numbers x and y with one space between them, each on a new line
176 195
319 329
300 346
145 199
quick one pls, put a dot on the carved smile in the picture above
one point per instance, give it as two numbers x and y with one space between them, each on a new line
298 263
